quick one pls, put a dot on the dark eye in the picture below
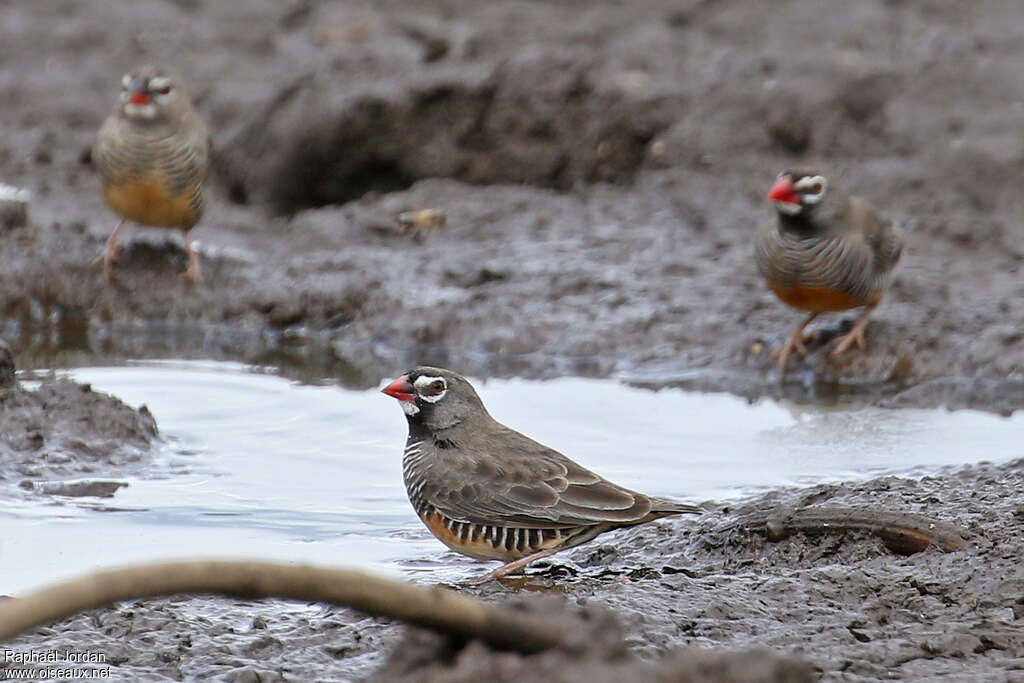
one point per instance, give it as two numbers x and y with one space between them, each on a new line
159 85
816 188
437 386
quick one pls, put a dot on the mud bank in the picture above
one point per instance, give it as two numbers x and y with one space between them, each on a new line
843 603
602 168
65 439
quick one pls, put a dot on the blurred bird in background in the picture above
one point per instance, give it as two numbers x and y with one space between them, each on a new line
827 251
152 153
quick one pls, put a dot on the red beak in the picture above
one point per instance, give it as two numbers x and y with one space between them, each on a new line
401 389
782 191
139 97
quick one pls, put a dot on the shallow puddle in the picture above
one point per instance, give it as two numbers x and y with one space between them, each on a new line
257 466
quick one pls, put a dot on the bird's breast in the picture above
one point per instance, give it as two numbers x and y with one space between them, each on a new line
814 299
149 201
818 275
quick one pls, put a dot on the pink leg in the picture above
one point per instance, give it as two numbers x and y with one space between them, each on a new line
194 272
110 252
794 342
507 569
855 335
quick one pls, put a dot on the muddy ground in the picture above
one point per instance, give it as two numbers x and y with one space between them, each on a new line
65 439
837 607
603 167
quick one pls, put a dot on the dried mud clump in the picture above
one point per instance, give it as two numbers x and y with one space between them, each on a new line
66 430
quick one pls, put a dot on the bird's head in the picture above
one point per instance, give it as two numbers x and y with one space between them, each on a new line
149 95
434 397
796 193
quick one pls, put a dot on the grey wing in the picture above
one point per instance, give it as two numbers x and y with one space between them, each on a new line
527 485
881 235
767 252
201 145
889 246
186 162
103 149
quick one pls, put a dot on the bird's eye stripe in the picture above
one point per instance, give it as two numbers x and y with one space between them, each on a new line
430 389
434 384
815 184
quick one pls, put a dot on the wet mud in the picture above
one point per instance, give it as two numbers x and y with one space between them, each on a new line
596 652
65 439
716 595
602 169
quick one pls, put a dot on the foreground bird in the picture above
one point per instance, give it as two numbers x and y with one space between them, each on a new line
489 492
827 252
152 153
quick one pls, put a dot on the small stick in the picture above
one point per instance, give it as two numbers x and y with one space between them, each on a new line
905 533
434 608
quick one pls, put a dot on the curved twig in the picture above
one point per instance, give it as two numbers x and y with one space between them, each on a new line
904 533
436 608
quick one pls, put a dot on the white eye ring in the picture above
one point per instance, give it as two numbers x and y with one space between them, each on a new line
423 382
159 83
809 183
126 81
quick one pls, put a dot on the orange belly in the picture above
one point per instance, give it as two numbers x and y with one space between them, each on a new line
481 548
148 203
477 540
817 299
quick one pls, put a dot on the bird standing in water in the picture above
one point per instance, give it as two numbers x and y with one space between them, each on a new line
826 252
152 153
489 492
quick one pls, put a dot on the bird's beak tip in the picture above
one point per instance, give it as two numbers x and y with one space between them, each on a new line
782 191
401 389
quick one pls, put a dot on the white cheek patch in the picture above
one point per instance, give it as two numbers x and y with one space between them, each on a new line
409 408
809 184
140 111
423 382
788 208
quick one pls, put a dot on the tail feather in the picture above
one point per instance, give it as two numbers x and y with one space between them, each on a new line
663 506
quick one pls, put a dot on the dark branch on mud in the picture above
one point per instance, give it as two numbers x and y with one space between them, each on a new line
436 608
904 533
